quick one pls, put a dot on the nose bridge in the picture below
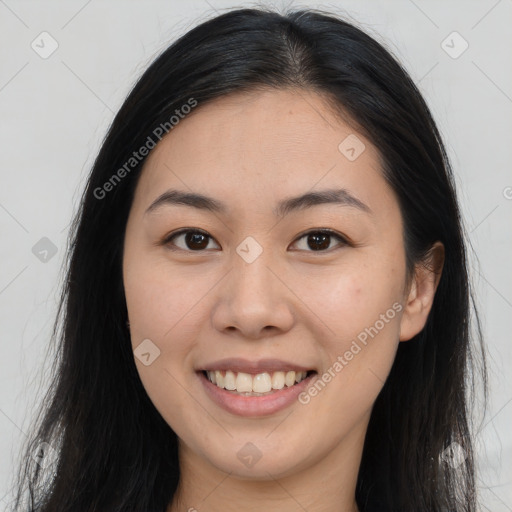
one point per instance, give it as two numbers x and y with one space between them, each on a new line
251 278
253 298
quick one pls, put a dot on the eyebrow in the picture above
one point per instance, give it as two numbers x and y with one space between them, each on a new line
341 197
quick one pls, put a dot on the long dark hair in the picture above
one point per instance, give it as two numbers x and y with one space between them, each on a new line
114 451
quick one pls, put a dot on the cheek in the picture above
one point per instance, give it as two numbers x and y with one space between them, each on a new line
361 307
163 300
362 312
164 306
350 299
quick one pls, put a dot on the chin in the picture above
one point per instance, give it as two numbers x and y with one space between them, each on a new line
258 459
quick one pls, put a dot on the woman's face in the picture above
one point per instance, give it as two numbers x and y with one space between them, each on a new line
260 291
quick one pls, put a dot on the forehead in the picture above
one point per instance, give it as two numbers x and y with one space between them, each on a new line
263 144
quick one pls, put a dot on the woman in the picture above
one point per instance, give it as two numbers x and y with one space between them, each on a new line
267 304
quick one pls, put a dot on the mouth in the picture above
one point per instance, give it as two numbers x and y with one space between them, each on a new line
254 385
255 394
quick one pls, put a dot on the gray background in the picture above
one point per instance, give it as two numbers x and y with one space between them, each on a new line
54 112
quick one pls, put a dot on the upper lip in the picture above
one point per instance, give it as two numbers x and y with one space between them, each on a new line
237 364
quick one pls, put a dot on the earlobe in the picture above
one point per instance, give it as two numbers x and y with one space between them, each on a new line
420 298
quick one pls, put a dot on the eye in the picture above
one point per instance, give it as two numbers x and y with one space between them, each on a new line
194 240
197 240
319 240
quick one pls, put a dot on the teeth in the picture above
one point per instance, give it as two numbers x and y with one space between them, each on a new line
243 382
260 383
289 378
278 380
219 379
229 381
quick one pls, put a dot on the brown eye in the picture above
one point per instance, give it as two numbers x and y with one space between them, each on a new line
320 240
193 240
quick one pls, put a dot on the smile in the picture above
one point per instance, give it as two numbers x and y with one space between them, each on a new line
250 403
255 385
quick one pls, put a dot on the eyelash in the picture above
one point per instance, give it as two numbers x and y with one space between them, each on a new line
167 240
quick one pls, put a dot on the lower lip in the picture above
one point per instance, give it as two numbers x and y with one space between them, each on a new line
251 406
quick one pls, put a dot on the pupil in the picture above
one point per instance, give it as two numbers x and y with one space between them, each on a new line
194 238
323 244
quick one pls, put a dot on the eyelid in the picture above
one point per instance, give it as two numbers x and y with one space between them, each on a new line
167 238
341 238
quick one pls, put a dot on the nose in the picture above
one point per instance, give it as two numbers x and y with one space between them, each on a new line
254 300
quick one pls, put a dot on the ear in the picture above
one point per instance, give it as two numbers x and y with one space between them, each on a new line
422 289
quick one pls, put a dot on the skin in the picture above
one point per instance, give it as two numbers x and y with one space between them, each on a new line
294 303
